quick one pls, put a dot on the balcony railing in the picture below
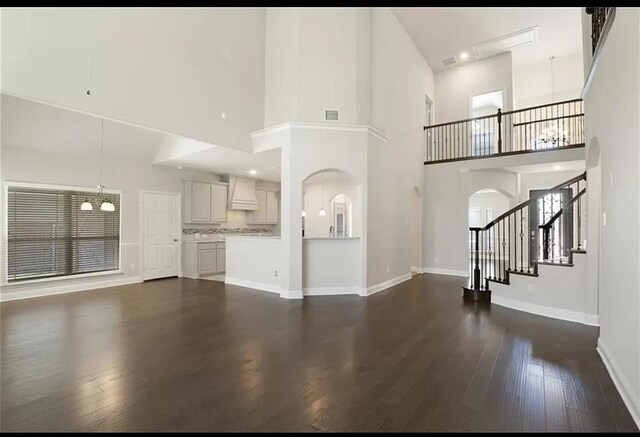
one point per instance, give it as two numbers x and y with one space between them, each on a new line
534 129
599 18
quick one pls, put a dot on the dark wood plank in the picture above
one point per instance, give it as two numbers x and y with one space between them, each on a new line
185 355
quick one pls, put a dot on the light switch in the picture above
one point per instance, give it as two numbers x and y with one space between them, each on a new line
610 179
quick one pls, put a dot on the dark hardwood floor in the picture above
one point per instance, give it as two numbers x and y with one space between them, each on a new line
185 355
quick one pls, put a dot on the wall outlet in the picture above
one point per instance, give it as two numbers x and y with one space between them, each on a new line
604 219
610 179
275 273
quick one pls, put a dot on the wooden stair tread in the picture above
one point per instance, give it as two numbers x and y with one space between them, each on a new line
518 272
546 263
499 281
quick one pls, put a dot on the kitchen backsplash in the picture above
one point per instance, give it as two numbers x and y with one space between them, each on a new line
209 230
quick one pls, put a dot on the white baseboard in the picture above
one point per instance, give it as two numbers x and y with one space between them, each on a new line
540 310
384 285
47 290
291 294
449 272
330 291
630 399
417 269
263 286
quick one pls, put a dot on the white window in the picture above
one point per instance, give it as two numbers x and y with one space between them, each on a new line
48 235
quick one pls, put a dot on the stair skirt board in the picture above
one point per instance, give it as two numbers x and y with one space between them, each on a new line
540 310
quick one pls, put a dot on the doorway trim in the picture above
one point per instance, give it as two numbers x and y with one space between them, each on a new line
141 229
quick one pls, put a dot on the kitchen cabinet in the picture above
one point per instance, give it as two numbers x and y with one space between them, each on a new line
207 261
267 212
204 202
203 258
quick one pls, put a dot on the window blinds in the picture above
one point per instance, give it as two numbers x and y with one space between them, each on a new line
48 234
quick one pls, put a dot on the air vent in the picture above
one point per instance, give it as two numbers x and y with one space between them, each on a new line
449 61
506 43
331 115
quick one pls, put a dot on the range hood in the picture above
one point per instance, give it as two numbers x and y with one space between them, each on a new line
242 193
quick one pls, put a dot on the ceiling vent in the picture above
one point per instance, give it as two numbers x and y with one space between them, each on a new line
506 43
449 61
330 115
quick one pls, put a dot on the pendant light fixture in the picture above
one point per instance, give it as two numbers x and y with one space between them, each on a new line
100 199
322 212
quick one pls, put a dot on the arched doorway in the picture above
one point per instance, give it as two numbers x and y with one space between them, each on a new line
485 205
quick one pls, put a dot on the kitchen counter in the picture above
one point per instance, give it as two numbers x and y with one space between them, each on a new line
249 236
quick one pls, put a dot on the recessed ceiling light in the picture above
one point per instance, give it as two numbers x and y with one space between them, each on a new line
557 167
223 115
253 172
464 55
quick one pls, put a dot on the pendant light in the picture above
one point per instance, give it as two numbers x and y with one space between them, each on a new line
106 204
322 212
100 199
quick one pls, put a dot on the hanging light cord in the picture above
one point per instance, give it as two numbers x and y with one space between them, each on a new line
89 22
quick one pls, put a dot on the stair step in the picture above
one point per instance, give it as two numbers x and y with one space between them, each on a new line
517 272
547 263
578 251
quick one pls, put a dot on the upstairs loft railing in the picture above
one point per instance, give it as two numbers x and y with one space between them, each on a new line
534 129
599 17
544 229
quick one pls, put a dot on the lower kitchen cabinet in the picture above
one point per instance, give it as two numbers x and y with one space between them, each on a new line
203 258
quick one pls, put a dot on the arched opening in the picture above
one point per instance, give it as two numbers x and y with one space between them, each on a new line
332 218
328 205
485 205
415 236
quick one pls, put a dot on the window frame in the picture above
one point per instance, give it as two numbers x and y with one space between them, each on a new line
5 233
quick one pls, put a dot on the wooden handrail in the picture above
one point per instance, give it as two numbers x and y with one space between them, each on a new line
484 117
515 111
544 120
541 106
528 202
559 213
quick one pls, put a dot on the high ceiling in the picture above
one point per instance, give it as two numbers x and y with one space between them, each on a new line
33 125
440 33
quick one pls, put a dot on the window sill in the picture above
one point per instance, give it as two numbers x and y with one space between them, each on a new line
62 278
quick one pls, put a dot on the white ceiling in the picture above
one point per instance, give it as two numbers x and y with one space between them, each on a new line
440 33
34 125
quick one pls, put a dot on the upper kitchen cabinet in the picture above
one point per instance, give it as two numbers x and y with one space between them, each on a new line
267 212
204 202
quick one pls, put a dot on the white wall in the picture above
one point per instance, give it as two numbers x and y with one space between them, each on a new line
129 175
532 81
317 59
612 117
254 262
400 81
173 69
446 212
497 202
544 180
455 86
331 266
318 226
558 291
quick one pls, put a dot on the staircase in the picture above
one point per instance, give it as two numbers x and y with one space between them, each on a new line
546 230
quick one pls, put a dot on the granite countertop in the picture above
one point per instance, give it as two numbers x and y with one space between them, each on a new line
257 236
207 238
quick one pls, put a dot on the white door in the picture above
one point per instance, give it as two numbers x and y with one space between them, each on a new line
160 235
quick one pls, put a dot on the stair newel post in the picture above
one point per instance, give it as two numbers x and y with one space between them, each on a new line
499 130
476 269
